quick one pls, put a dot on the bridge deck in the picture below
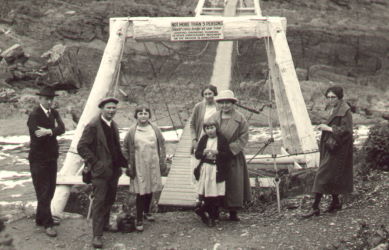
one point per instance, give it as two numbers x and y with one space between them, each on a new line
179 189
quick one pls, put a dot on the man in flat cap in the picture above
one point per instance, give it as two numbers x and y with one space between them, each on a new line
44 124
99 146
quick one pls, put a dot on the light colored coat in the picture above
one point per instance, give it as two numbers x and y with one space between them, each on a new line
236 132
129 149
196 120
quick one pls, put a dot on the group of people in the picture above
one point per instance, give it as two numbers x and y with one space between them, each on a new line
219 135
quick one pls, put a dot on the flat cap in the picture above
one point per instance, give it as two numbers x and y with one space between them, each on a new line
107 100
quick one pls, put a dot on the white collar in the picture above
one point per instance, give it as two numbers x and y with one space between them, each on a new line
45 110
106 121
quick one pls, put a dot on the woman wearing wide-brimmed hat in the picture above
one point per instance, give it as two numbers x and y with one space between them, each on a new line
234 127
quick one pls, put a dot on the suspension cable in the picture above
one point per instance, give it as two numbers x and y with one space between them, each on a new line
156 75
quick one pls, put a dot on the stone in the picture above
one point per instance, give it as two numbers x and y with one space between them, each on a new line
12 53
328 74
63 66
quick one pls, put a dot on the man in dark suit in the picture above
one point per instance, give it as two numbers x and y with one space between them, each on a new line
99 146
44 124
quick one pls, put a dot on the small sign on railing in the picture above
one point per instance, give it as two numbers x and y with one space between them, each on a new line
196 30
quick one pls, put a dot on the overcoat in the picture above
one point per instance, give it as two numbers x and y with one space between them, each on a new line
196 120
236 133
43 149
335 173
129 149
93 148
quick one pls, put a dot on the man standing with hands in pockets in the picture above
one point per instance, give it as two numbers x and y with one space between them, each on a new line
99 146
44 125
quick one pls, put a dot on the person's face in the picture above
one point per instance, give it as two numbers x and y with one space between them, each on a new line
332 99
226 106
143 116
108 111
208 95
46 101
210 130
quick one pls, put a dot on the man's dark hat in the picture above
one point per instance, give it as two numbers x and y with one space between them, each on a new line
47 91
107 100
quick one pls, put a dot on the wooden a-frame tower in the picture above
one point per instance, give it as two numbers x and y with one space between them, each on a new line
228 24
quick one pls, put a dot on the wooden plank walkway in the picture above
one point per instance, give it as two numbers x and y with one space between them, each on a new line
179 189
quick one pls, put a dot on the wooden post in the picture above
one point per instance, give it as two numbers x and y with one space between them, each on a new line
104 80
296 128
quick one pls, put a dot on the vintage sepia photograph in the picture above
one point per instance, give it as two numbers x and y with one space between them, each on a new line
194 124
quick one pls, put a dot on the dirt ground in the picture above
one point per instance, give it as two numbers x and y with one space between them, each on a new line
182 230
362 224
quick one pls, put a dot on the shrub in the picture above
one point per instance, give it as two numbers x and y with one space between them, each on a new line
376 147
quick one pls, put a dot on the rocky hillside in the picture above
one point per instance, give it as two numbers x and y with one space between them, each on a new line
332 42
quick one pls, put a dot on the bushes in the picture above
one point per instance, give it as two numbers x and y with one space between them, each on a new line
376 147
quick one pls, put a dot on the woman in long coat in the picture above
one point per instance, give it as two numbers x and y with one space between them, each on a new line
335 173
234 127
144 148
202 110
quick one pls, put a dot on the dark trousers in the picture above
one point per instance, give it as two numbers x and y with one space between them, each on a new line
104 196
143 205
44 178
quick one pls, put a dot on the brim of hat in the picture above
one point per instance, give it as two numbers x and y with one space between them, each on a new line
46 95
102 103
230 99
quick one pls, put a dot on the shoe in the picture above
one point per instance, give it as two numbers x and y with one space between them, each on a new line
97 242
149 217
234 216
139 226
333 207
211 223
50 231
202 215
312 212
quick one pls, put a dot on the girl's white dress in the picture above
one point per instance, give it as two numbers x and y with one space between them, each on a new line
207 184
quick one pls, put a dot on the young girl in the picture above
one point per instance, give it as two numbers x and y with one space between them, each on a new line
144 147
213 153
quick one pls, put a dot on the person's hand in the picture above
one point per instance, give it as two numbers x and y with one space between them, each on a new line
193 147
324 127
43 132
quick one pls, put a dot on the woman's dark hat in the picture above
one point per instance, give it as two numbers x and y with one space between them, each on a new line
47 91
107 100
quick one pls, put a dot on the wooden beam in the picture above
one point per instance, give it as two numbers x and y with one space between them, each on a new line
296 128
257 7
234 28
70 180
104 80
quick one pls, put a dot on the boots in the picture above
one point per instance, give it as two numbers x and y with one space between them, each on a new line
234 216
333 207
312 212
201 212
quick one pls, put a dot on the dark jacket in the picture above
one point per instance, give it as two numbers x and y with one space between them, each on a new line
93 148
335 173
43 149
222 158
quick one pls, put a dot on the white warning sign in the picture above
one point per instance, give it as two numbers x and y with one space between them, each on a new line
197 30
